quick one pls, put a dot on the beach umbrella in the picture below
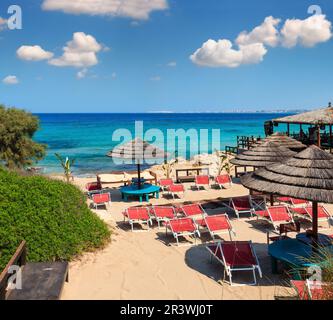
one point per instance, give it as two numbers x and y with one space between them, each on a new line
138 152
262 154
285 141
307 175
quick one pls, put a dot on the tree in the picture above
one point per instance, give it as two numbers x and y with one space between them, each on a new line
17 148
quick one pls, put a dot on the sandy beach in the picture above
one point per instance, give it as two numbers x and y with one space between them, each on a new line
148 265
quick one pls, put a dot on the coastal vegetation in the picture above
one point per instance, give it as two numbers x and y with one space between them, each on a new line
67 165
17 148
52 216
224 164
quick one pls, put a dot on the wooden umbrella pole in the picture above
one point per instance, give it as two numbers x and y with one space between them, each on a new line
272 199
315 221
330 138
139 176
318 137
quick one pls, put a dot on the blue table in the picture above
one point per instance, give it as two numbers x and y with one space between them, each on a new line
143 193
293 253
323 239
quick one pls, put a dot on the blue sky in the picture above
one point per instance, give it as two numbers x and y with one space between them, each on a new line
143 58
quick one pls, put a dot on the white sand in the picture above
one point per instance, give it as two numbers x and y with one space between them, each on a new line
148 265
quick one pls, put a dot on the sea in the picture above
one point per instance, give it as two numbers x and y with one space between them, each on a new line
88 137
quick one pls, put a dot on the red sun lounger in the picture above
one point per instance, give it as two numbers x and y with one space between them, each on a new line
236 256
176 189
101 199
295 202
217 225
309 290
202 181
284 199
323 214
137 215
224 181
242 205
299 202
193 210
93 188
182 227
306 212
163 214
165 184
276 215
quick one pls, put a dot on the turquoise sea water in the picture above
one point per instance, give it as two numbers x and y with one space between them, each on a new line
88 137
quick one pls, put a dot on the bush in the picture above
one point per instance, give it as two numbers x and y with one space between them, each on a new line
52 216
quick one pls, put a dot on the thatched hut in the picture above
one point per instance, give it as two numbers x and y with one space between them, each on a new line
317 119
307 175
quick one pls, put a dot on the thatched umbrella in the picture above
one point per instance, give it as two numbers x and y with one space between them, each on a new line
262 154
307 175
138 151
285 141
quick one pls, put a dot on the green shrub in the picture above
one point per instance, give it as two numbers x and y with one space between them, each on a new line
52 216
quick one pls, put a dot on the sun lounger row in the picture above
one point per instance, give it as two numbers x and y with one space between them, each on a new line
233 255
192 221
167 185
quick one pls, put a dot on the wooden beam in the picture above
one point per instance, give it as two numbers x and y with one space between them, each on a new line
315 222
271 199
139 176
330 138
318 136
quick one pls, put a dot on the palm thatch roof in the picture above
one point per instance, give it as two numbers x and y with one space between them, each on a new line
307 175
316 117
285 141
138 151
262 154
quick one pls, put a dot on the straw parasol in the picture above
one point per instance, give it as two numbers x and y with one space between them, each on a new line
323 116
138 151
262 154
285 141
307 175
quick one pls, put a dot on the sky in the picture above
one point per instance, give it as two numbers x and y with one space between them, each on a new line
166 55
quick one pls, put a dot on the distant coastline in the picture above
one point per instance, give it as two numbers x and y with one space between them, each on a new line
183 112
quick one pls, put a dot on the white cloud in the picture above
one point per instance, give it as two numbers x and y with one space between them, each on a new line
309 32
172 64
267 33
155 78
251 45
79 52
221 54
114 75
82 73
106 49
136 9
10 80
33 53
3 24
